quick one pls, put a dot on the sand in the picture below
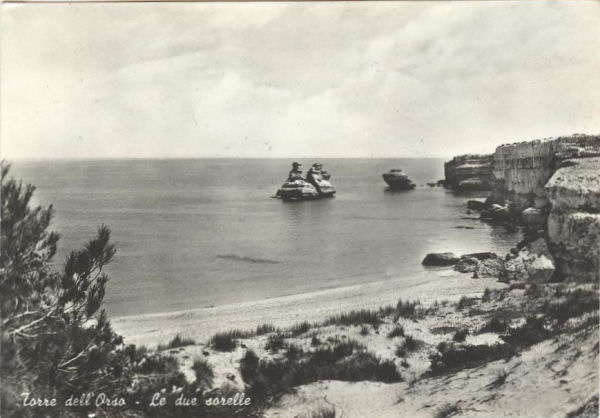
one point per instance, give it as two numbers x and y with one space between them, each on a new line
200 324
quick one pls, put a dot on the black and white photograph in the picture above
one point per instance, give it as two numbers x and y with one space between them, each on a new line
300 209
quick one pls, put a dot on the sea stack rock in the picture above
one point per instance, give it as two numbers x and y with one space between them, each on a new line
397 180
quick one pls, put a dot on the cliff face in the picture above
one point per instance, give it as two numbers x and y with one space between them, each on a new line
470 172
522 170
560 177
574 221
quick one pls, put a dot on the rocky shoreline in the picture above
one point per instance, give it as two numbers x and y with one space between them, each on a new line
527 346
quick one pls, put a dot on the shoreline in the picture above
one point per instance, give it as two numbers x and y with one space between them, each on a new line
201 323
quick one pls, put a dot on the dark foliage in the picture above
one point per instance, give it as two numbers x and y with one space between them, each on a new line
299 329
55 339
531 332
406 309
180 341
397 331
265 329
576 303
346 361
358 317
204 373
409 345
275 342
497 323
450 357
460 335
465 302
227 341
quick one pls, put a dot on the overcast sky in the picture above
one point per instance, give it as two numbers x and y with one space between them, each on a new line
390 79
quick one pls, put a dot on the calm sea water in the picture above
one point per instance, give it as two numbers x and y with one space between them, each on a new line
202 232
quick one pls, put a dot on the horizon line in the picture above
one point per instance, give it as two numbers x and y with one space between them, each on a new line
8 159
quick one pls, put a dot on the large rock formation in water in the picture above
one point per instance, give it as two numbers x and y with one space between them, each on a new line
469 172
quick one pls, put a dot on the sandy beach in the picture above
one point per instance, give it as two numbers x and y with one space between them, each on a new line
200 324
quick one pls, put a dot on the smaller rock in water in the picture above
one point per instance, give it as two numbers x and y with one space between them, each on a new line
440 259
476 205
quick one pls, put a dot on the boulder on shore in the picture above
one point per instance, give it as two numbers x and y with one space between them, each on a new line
440 259
496 213
533 217
466 264
477 205
490 267
533 263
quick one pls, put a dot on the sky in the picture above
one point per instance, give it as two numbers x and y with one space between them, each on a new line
293 80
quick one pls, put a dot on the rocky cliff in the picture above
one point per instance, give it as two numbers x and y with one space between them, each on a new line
574 220
470 172
558 180
523 169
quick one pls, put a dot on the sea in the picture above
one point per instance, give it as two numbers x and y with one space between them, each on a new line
195 233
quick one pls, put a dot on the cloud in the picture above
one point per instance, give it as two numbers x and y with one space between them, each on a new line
294 79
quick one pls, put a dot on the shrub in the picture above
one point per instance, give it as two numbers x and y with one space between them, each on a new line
487 295
497 323
157 364
409 344
406 309
315 341
531 332
265 329
345 361
325 411
576 303
275 342
387 310
359 317
204 373
398 331
293 352
226 341
180 341
248 365
460 335
364 330
465 302
300 329
451 357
